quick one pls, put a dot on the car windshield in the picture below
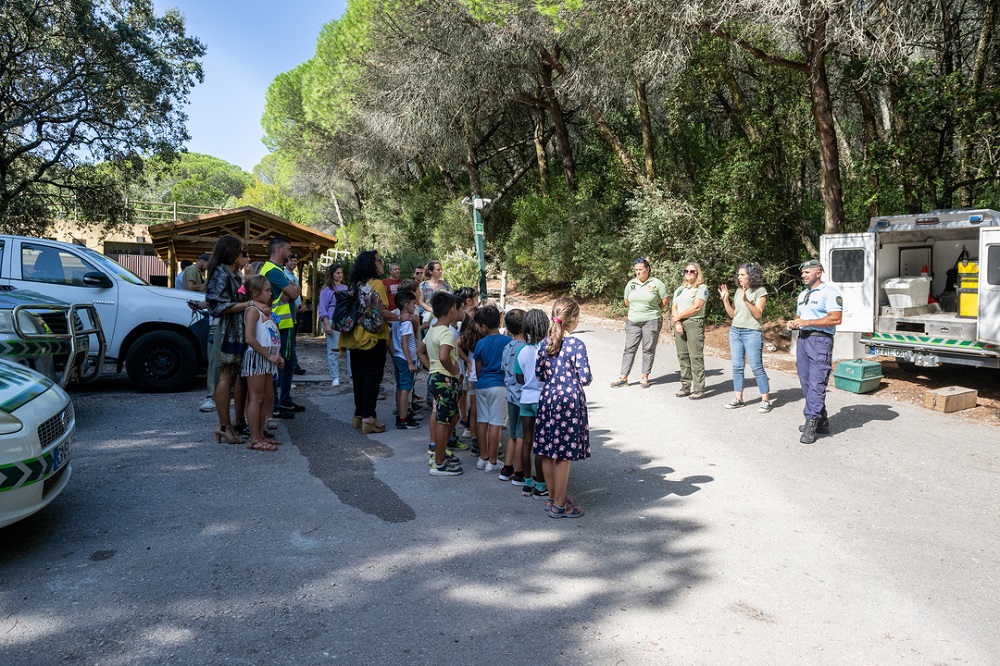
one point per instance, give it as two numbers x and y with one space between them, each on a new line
113 266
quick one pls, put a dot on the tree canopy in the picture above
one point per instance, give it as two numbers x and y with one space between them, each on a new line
674 129
87 88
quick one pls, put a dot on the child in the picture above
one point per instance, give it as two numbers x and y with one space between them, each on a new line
491 392
512 470
534 327
404 359
438 352
412 287
261 359
562 433
468 337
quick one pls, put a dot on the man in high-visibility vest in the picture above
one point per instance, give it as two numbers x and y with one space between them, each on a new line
284 294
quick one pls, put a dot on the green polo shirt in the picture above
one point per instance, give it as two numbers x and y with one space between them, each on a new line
644 299
684 298
743 318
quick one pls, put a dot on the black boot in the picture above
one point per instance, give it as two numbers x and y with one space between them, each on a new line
809 431
822 429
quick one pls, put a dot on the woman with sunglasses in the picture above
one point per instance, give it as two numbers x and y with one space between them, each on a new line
646 299
689 331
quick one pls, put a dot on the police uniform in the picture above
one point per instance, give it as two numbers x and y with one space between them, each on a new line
814 350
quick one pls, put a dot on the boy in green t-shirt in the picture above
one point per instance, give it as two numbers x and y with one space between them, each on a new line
438 352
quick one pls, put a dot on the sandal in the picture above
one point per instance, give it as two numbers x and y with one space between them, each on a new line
270 424
644 382
257 445
271 440
569 510
620 382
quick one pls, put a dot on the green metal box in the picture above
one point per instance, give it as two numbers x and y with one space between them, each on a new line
858 376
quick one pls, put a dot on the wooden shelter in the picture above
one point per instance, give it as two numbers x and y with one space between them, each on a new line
191 237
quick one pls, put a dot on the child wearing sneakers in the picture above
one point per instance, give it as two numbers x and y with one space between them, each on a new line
534 328
512 470
404 359
491 392
562 432
438 352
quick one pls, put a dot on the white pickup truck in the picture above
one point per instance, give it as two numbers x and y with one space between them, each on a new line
150 331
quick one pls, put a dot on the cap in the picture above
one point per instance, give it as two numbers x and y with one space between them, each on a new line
205 257
812 263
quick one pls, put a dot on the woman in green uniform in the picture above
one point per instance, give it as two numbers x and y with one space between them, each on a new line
646 299
689 331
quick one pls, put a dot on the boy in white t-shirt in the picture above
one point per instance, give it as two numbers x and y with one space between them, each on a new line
404 360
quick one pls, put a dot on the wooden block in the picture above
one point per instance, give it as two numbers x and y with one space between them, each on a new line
950 399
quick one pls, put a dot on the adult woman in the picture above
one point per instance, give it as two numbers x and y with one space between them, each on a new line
689 331
646 298
746 342
368 348
327 304
227 305
433 283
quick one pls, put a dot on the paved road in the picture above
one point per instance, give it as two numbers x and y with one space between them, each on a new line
710 537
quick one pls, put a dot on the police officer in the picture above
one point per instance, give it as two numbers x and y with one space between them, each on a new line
819 310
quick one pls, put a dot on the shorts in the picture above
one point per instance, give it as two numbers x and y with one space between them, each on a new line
404 378
530 410
514 420
444 389
491 405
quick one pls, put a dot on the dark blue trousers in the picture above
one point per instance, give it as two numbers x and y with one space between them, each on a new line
813 362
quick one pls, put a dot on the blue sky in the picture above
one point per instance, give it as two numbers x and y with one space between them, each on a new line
249 43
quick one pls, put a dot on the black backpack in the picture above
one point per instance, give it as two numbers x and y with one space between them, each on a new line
345 311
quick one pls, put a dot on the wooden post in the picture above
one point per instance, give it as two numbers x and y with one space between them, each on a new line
503 290
314 296
172 263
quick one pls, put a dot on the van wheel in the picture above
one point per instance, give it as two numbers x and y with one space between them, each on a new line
161 362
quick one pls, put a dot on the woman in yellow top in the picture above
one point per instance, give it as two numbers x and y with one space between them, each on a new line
688 314
368 348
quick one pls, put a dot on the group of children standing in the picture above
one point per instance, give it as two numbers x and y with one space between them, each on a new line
529 378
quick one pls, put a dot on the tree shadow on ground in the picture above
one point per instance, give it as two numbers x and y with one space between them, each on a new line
166 548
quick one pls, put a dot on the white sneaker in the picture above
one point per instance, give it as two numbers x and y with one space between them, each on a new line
481 463
335 382
208 405
492 468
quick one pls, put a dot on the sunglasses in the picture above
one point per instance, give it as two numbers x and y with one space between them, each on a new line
640 260
691 272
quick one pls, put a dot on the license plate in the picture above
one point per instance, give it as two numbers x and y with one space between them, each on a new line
888 351
62 454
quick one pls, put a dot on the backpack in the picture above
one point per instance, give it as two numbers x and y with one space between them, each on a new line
345 311
369 305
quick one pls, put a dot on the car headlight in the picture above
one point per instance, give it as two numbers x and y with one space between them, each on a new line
32 324
9 424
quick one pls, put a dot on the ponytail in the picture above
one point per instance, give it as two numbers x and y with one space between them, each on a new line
565 313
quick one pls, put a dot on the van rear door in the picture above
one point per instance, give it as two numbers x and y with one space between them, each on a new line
849 265
989 285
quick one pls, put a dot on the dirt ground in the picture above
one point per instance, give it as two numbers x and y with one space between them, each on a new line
897 384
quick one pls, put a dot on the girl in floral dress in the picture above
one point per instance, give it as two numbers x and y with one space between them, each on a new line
562 431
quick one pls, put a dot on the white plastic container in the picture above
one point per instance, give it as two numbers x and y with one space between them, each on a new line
907 292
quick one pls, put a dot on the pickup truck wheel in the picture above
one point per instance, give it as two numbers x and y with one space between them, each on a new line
161 362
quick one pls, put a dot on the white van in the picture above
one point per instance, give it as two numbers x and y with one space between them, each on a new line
924 289
150 331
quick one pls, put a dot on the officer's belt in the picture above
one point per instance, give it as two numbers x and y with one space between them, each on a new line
805 333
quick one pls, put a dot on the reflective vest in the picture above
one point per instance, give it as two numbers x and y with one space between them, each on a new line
282 310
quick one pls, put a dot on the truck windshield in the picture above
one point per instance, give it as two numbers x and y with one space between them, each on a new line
113 266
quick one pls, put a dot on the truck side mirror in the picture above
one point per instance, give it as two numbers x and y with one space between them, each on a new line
97 279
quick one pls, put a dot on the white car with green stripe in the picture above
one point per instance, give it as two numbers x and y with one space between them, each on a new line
37 429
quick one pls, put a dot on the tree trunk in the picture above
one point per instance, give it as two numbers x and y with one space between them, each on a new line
815 48
449 182
540 156
471 166
870 138
340 222
559 123
978 73
647 129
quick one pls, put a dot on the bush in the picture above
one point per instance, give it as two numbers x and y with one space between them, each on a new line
461 268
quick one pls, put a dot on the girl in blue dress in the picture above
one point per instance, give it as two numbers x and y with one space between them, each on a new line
562 431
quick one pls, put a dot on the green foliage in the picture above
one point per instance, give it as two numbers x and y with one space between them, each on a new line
83 84
191 178
461 268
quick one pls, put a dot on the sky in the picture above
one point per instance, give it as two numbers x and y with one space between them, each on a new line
248 44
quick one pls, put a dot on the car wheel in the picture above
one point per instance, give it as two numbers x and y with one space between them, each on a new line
161 362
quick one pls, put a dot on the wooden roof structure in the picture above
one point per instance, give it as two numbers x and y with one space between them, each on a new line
191 237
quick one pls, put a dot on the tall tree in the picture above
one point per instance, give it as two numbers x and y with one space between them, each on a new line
85 82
